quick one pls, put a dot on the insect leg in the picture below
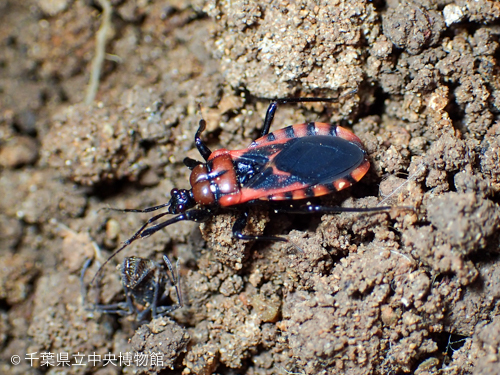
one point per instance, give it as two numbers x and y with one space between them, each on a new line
271 110
83 289
156 295
121 308
310 209
200 145
240 224
175 280
191 163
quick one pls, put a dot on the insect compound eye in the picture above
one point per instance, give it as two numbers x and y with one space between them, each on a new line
181 201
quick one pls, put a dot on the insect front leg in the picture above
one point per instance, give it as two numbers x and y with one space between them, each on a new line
200 145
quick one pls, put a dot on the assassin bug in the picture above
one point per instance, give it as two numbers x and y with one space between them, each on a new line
145 285
294 163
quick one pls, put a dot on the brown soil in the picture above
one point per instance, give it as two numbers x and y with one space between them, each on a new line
388 293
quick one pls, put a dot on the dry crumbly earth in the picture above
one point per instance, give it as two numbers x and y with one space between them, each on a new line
397 292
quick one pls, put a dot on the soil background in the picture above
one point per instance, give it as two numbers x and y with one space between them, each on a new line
398 292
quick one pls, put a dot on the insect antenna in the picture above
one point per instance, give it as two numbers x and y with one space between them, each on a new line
143 210
136 235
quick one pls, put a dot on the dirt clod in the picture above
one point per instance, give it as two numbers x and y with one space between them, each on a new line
161 337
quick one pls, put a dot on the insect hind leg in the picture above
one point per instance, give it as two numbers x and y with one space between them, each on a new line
319 209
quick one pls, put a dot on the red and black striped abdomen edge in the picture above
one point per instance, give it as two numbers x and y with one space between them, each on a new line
305 130
299 191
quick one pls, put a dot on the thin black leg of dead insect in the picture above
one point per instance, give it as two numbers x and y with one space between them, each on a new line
83 289
174 280
200 145
271 110
121 308
241 223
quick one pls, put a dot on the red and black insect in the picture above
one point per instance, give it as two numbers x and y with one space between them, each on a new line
295 163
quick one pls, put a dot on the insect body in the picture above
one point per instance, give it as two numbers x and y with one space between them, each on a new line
145 284
297 162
